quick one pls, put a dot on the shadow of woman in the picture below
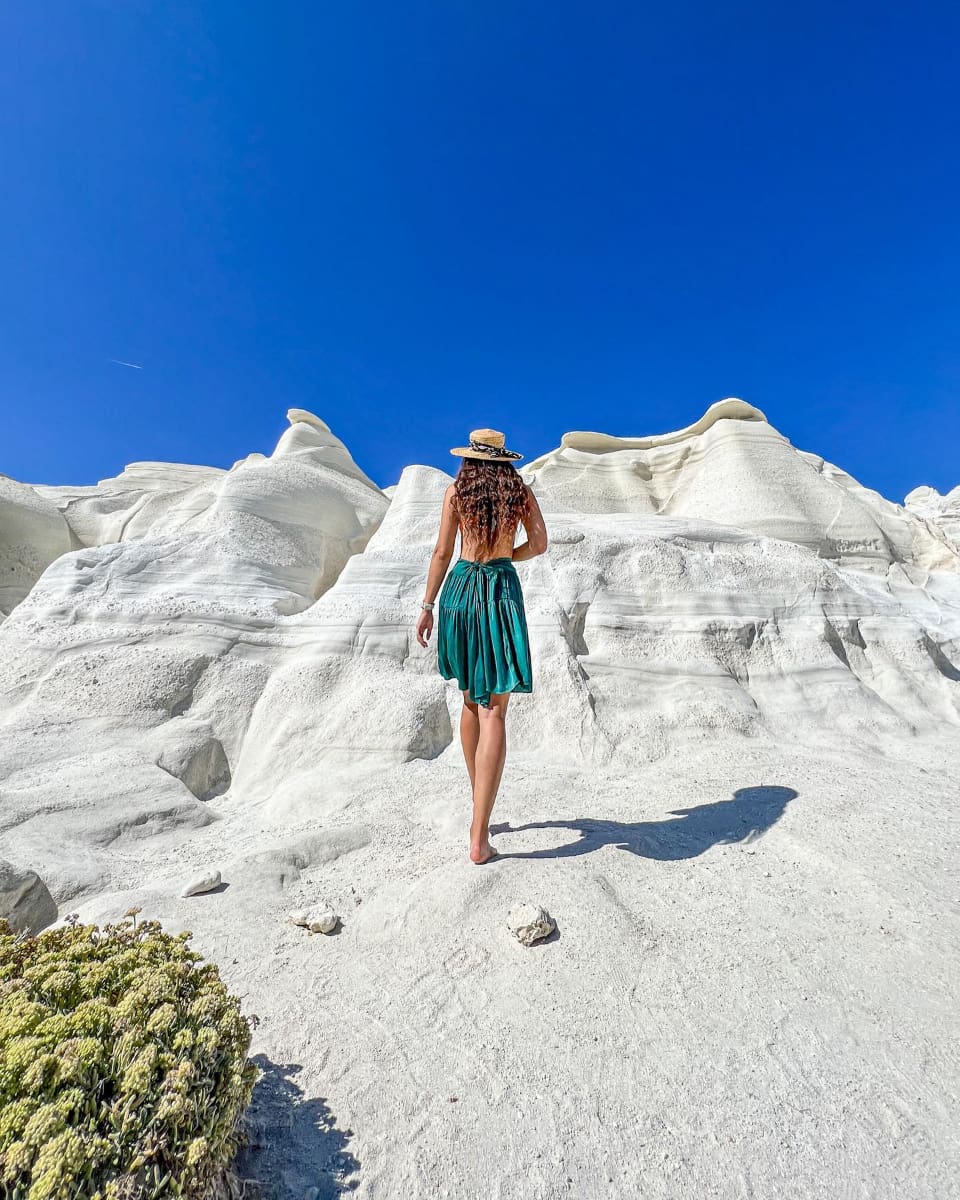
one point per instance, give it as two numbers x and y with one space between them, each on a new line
293 1143
744 818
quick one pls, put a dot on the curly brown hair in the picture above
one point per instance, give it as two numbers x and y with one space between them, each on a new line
490 497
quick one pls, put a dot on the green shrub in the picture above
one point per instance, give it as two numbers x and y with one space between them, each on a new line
123 1065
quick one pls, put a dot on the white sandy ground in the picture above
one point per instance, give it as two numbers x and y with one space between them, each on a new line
754 998
734 788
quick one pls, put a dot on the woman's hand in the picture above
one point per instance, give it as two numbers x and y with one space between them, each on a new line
424 626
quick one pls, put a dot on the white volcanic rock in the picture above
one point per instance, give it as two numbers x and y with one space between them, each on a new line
191 752
25 902
149 653
207 881
130 504
32 535
530 923
266 537
279 866
736 778
350 691
940 511
322 919
733 468
645 628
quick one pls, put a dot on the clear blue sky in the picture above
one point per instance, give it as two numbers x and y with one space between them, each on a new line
413 219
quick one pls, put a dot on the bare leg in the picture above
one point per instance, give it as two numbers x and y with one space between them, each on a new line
469 735
490 757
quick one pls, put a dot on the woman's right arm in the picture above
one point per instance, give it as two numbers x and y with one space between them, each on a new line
536 530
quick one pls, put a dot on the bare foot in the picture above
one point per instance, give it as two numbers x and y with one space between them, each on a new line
481 852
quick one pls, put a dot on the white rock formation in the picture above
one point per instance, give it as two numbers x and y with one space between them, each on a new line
129 505
732 468
712 581
32 535
206 881
129 673
735 646
940 511
321 919
530 923
25 902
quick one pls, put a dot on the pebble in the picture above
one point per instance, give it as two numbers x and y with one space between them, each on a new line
202 883
529 923
318 920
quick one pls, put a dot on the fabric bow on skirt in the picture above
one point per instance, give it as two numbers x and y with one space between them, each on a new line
482 639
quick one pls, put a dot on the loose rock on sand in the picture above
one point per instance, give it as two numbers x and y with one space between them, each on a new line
530 923
202 883
319 920
25 902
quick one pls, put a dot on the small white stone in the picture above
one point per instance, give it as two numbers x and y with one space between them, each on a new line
323 921
202 883
529 923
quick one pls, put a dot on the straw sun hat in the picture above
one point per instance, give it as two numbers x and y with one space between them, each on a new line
487 444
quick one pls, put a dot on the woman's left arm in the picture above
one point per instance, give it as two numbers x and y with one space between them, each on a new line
439 561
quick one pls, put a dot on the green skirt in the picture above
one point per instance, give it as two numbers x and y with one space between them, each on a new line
482 629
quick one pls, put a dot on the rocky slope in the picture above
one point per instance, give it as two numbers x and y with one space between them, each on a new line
733 787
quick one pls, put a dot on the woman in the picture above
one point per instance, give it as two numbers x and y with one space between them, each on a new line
482 632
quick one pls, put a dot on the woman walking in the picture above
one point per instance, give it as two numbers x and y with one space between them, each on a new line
482 628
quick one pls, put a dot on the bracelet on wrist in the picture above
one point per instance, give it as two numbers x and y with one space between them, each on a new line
428 605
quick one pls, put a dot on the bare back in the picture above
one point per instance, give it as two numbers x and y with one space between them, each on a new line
504 544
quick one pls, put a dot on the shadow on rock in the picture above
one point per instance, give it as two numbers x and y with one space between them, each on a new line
294 1145
744 818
